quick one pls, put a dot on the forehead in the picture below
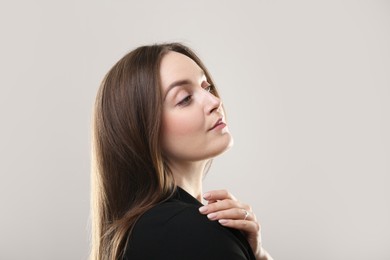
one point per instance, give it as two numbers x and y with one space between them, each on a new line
176 66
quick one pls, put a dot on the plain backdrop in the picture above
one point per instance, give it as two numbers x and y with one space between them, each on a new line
306 86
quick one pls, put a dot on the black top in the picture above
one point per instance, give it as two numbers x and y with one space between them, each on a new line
175 230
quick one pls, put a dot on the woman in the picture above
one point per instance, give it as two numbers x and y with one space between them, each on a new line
158 122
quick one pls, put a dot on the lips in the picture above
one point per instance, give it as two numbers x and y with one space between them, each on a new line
219 122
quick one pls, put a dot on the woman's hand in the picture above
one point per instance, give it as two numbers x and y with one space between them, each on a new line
225 208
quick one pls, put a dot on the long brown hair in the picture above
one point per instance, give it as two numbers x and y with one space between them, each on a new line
129 172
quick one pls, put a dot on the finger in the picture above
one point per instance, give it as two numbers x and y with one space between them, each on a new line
234 213
223 205
218 195
211 201
243 225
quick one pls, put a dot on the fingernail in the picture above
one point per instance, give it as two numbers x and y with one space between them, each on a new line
223 221
212 215
206 195
203 209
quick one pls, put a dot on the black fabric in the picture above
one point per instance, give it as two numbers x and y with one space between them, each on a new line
176 230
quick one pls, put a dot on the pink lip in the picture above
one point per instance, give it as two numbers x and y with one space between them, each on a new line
218 125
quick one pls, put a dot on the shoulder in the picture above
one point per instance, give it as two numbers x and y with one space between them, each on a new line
176 230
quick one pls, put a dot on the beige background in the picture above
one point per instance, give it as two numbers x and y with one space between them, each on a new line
306 85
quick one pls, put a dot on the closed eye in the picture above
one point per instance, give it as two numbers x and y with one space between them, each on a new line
185 101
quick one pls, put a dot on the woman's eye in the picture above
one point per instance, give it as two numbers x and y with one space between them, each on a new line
209 88
185 101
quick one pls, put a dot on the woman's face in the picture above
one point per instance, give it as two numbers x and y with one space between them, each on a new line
193 123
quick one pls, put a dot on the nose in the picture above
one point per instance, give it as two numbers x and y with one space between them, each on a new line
214 103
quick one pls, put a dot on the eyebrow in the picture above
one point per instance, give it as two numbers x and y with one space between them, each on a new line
181 82
177 83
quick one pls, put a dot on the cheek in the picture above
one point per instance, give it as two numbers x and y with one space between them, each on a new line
181 124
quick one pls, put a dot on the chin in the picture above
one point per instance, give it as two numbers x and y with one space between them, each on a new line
230 144
224 147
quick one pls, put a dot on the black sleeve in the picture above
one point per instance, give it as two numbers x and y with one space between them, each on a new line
188 235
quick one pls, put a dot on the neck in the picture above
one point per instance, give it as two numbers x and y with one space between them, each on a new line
188 176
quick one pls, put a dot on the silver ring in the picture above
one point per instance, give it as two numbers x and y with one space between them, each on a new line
246 214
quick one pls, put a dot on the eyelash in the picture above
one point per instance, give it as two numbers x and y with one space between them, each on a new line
187 100
209 88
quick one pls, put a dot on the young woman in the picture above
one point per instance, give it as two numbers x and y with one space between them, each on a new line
158 122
